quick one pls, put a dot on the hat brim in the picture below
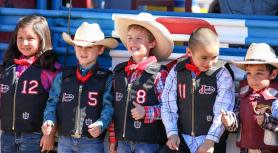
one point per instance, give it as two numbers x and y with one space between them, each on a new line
241 64
107 42
164 42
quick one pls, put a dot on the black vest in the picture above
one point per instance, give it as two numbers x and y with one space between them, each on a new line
70 117
195 105
23 100
141 91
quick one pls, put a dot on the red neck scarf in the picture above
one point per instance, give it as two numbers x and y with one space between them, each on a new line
132 66
22 61
193 68
255 95
83 79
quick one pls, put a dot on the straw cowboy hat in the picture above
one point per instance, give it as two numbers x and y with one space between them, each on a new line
89 35
260 53
164 45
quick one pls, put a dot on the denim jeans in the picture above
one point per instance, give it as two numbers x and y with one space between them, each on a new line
67 144
20 142
136 147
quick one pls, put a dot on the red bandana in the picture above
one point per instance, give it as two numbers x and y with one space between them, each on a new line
132 66
25 62
255 95
193 68
83 79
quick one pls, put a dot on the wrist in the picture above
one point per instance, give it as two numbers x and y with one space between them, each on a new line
209 142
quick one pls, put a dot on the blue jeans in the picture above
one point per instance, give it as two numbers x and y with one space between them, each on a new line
136 147
67 144
20 142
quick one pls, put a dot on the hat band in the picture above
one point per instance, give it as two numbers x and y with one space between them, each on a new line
255 60
85 40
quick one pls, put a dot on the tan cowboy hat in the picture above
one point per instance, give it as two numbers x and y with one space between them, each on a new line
89 35
164 45
260 53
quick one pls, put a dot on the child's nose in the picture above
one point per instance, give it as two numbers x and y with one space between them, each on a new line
25 42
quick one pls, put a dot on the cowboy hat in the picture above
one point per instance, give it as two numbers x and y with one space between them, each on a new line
89 35
164 45
260 53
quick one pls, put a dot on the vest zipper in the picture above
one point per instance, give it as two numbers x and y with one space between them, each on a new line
15 91
193 108
77 133
126 107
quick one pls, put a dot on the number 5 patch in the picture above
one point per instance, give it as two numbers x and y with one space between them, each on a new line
92 96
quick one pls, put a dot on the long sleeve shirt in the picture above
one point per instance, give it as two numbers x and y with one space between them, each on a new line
224 100
54 95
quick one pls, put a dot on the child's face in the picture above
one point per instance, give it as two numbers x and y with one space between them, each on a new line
87 56
258 77
204 57
138 43
28 42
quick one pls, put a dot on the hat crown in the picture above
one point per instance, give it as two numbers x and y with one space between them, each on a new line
260 51
84 33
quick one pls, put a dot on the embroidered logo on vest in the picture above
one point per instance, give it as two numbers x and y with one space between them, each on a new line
207 90
67 97
88 121
4 88
209 118
119 96
25 115
137 124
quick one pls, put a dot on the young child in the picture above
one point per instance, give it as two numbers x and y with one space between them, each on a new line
196 89
29 68
259 89
138 85
80 100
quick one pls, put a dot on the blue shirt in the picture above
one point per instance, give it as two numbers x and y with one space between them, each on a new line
54 93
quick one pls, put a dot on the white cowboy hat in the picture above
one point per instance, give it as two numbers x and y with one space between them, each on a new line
260 53
89 35
164 42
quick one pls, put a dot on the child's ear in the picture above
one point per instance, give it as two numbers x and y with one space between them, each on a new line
152 44
188 52
101 50
273 74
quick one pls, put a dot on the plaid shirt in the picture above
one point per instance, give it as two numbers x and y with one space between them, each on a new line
224 100
152 113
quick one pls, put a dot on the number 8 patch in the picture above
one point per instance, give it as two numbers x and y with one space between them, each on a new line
141 96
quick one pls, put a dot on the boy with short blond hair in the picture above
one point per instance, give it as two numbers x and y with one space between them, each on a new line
138 85
196 89
80 102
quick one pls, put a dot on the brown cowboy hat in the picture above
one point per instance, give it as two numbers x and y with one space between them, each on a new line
164 45
89 35
260 53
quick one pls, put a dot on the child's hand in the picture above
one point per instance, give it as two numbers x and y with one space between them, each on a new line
138 112
225 119
260 119
47 142
206 147
173 142
94 130
113 147
47 127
